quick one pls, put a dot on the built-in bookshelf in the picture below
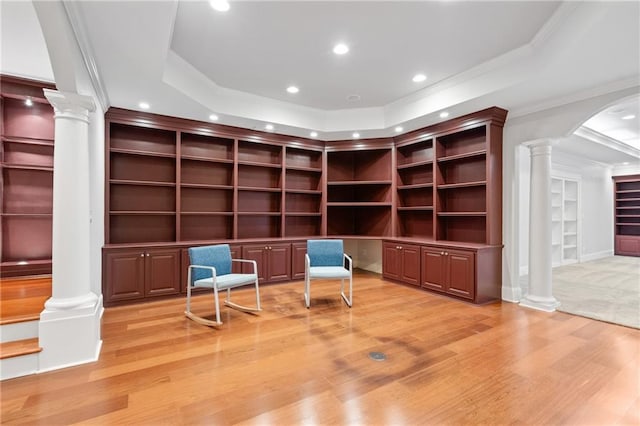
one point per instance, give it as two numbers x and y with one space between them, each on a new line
627 215
565 241
359 190
26 163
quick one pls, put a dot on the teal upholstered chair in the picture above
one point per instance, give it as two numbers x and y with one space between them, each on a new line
211 267
325 259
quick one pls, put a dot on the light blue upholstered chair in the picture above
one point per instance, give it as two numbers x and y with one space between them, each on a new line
326 259
210 267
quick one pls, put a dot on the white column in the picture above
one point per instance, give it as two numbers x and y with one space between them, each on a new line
69 329
540 294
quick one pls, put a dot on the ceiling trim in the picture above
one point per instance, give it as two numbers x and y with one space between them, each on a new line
599 138
74 15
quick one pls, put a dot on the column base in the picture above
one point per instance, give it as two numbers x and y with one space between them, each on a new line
546 304
70 337
62 304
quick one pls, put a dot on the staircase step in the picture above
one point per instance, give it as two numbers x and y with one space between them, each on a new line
19 347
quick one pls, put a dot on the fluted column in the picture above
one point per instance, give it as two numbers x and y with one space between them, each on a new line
69 328
540 294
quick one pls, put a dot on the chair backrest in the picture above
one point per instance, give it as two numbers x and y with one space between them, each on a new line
325 252
218 256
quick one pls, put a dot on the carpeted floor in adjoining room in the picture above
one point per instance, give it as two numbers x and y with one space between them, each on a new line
605 289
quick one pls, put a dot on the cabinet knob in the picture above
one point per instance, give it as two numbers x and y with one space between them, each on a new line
141 254
441 253
147 254
445 253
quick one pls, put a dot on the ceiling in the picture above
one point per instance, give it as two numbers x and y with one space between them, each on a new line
187 60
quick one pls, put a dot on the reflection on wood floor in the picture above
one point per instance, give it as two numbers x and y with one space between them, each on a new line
448 362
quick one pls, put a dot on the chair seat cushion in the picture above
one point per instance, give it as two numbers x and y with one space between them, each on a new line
227 281
328 272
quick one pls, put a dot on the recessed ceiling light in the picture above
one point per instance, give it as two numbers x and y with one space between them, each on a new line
398 129
143 105
356 135
340 49
292 89
419 78
625 163
220 5
268 126
313 134
629 117
28 102
213 117
444 114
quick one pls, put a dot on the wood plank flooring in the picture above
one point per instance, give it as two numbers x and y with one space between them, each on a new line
23 299
448 362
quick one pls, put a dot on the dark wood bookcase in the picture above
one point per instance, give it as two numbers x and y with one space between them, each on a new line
26 162
627 215
433 196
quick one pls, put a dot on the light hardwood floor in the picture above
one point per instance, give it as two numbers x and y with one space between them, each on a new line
448 362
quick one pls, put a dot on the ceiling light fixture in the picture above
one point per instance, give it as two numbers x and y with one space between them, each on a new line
356 135
313 134
444 114
28 102
268 126
144 105
419 78
353 98
213 117
398 129
292 89
220 5
340 49
629 117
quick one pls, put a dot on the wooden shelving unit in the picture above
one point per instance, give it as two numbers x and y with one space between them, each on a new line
627 215
26 165
174 183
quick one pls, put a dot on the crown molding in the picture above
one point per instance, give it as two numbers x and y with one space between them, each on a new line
599 138
74 14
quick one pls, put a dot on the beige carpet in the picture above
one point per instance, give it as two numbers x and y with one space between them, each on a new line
605 289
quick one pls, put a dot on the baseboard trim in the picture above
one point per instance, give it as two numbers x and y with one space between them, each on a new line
595 256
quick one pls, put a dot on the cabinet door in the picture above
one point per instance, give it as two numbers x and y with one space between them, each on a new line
162 272
124 275
390 261
298 252
434 274
461 268
410 267
279 268
259 254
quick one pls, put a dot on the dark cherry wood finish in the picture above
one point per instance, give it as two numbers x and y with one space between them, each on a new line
174 183
627 215
26 164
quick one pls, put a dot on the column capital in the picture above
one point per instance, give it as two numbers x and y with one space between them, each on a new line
70 105
541 146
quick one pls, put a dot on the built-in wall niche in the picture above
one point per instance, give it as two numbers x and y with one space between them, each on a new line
254 176
206 148
455 227
298 225
134 228
363 166
205 173
364 192
26 177
143 140
303 159
259 153
140 168
364 220
206 226
303 180
415 223
259 226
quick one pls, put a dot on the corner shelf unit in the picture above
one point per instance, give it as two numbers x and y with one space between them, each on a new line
627 215
26 166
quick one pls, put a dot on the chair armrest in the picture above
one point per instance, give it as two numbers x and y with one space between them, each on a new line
346 256
191 267
253 262
307 263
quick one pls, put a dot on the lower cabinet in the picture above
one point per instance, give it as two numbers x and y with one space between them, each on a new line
467 271
401 262
137 274
273 260
449 271
298 251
